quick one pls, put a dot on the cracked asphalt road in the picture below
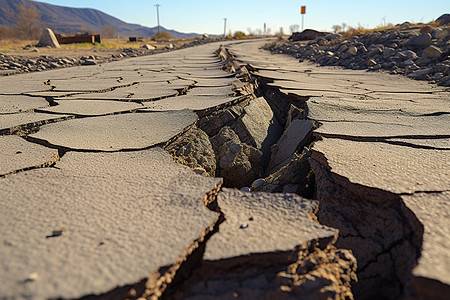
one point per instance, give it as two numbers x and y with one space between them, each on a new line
378 131
89 200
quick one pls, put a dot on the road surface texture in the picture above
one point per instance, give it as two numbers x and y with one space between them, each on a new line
222 172
381 164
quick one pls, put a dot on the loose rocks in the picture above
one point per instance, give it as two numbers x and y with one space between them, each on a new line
399 50
238 163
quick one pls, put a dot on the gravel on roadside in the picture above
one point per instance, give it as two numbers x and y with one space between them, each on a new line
418 51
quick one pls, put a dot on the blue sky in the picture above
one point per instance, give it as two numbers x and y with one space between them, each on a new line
206 16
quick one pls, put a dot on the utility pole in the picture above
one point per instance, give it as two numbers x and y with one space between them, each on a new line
157 16
224 27
265 29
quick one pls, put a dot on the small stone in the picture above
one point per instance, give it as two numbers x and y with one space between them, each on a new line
442 34
408 62
56 233
371 63
258 183
410 54
88 62
352 50
432 52
243 226
342 49
401 55
420 74
423 61
245 189
32 277
388 52
149 47
422 40
132 293
322 41
200 171
333 36
374 52
426 29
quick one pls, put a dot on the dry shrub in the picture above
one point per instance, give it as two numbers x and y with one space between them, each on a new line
164 35
353 31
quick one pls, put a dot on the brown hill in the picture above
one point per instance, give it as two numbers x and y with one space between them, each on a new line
66 19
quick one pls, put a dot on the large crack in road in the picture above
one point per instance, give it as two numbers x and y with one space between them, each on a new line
385 235
249 235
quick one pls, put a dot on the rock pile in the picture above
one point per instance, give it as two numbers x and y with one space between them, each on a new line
417 51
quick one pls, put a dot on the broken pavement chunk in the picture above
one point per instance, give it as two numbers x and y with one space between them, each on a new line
394 168
268 247
294 138
280 223
91 107
18 154
259 128
125 216
17 103
116 132
433 268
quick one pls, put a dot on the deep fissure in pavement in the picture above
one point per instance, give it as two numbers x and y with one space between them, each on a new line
384 235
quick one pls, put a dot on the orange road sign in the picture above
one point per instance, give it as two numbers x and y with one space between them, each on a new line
303 11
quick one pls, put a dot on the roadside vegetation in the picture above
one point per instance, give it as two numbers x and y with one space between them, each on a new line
25 23
163 35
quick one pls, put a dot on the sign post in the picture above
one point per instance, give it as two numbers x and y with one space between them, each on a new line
303 12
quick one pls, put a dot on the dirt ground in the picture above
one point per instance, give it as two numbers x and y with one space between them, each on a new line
106 49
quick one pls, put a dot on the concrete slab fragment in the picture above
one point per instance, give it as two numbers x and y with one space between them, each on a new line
116 132
386 127
188 102
87 84
212 91
127 94
433 211
18 154
97 222
91 107
364 141
207 82
399 169
21 83
13 104
261 126
17 120
261 223
293 138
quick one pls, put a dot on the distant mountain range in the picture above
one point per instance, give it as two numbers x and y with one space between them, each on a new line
66 20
